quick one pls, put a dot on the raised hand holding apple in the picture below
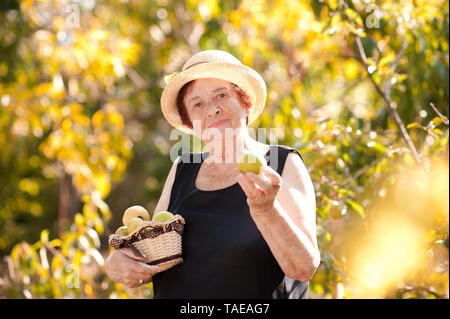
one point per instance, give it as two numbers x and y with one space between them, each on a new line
260 189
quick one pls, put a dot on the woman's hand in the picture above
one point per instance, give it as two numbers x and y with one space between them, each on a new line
260 190
127 268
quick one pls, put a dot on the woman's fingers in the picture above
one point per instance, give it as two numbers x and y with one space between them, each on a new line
259 181
269 182
272 175
127 267
138 271
248 187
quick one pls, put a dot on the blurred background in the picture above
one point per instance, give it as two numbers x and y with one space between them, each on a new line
360 88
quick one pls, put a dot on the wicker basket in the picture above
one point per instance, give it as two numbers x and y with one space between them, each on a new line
159 242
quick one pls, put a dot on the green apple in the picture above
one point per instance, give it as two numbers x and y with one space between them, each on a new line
251 162
134 223
123 230
163 216
133 212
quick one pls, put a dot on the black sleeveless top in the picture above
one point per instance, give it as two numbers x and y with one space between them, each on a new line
224 254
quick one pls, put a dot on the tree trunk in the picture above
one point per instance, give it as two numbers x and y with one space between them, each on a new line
64 202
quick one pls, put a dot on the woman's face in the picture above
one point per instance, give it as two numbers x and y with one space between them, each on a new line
212 103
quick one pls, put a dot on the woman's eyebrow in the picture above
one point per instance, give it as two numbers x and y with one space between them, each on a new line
215 90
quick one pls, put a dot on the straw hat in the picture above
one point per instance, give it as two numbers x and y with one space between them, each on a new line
213 64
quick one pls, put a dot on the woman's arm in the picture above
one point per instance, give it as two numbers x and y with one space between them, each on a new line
125 265
164 199
287 221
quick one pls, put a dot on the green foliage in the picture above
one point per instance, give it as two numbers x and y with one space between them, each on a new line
81 104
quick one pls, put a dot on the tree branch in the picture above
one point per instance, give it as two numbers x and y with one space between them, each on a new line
395 64
384 95
420 289
439 113
366 168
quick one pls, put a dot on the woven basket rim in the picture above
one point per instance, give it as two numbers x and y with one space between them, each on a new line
150 223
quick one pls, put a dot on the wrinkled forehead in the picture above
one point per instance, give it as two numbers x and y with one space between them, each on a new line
206 85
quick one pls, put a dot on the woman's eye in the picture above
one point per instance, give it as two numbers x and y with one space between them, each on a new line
197 105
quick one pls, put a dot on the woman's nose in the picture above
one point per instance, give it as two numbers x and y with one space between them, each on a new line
213 110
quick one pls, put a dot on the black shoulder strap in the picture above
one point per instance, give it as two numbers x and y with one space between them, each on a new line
276 158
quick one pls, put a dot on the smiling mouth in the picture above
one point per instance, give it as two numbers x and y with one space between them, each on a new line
217 123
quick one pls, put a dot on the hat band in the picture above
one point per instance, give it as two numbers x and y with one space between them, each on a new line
194 64
170 77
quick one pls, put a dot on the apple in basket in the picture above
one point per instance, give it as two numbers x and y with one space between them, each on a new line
134 212
134 223
123 230
163 216
251 162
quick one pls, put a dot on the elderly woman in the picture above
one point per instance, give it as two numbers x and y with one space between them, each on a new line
246 235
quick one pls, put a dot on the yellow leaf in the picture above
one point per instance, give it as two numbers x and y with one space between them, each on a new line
29 186
354 16
236 18
247 56
390 57
97 119
116 119
413 125
66 125
438 120
99 227
79 219
101 183
35 209
318 288
44 236
351 69
88 290
213 7
333 4
56 242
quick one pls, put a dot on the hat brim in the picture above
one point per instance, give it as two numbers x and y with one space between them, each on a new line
245 77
